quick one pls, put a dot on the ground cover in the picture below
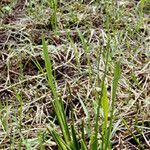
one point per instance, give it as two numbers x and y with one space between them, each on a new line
78 41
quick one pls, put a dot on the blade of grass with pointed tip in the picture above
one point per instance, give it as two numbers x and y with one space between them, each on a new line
57 104
85 47
48 66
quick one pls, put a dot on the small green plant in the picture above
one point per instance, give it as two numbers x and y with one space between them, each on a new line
73 139
53 20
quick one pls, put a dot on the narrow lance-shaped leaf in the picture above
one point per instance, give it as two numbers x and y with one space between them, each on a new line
59 140
48 66
83 145
105 108
74 137
94 138
117 73
57 104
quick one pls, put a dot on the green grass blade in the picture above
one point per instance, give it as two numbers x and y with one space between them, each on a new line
83 41
83 145
86 48
94 140
59 140
75 140
105 107
86 113
117 73
48 66
41 140
53 20
75 49
62 120
126 125
57 104
82 131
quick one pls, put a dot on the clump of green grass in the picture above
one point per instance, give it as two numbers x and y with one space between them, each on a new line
71 138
